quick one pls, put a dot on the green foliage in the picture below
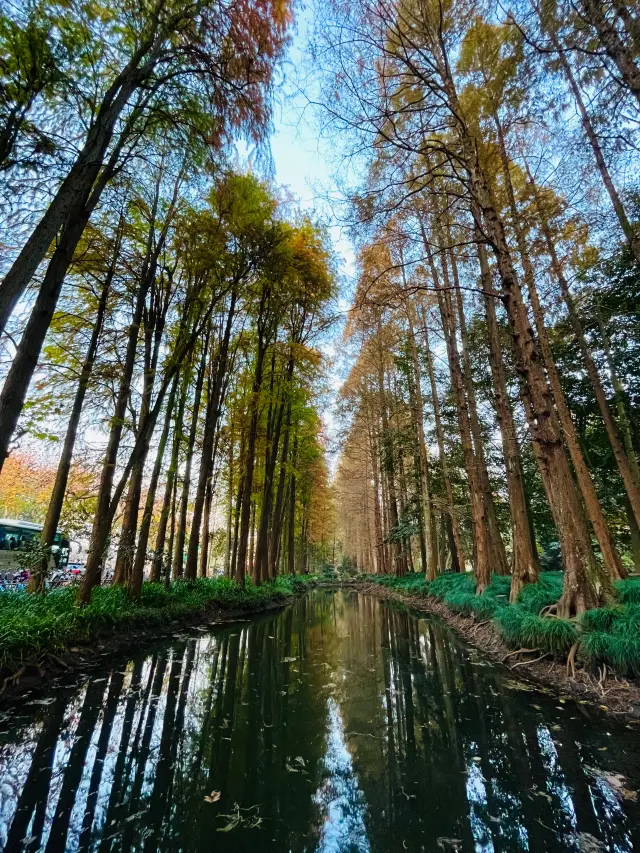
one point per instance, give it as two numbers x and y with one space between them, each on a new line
32 625
547 591
520 628
620 652
628 591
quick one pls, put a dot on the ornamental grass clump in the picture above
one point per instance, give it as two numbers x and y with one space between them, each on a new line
535 597
522 629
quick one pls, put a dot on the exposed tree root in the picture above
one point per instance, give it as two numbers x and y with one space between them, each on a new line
535 660
477 627
571 660
12 679
520 652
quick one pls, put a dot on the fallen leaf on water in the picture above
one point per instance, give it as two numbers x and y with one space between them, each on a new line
288 660
213 797
448 844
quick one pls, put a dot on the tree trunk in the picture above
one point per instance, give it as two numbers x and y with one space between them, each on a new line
498 554
586 585
457 554
431 565
36 581
71 197
525 560
479 523
279 507
387 460
291 532
102 521
123 572
212 418
245 509
181 531
594 511
227 550
147 515
624 59
629 232
626 461
160 560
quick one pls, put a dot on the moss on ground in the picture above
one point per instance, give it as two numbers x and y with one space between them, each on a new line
33 625
608 635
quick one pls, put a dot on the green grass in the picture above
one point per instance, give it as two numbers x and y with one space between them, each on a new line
32 625
608 635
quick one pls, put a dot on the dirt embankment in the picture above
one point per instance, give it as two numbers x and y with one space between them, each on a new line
610 693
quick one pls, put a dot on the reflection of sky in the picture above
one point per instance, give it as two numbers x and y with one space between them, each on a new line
340 797
477 798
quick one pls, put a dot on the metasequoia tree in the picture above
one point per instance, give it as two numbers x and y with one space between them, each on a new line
403 98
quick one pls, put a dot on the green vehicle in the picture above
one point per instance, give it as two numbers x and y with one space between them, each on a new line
17 536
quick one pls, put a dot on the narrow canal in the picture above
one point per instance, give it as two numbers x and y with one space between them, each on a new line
341 724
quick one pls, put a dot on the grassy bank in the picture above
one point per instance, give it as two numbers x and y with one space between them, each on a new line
32 626
608 635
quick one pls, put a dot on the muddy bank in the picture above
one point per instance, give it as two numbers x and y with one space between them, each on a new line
602 689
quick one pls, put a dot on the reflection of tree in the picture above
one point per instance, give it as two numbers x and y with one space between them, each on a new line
401 734
33 799
91 708
111 706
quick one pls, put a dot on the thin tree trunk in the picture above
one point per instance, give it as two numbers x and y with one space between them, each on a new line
227 550
498 553
181 532
102 521
481 540
291 532
525 560
160 559
212 418
624 59
147 515
626 461
431 566
458 557
245 509
36 581
629 232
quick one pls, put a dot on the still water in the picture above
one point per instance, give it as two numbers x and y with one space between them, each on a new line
341 724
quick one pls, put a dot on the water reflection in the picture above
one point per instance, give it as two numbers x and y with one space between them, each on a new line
342 801
340 725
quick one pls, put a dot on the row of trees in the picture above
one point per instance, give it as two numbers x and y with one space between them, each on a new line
493 350
171 346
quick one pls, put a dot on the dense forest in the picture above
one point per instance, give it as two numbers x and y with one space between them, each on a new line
491 408
164 310
319 426
159 305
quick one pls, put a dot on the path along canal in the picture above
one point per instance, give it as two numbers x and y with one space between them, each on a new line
341 724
